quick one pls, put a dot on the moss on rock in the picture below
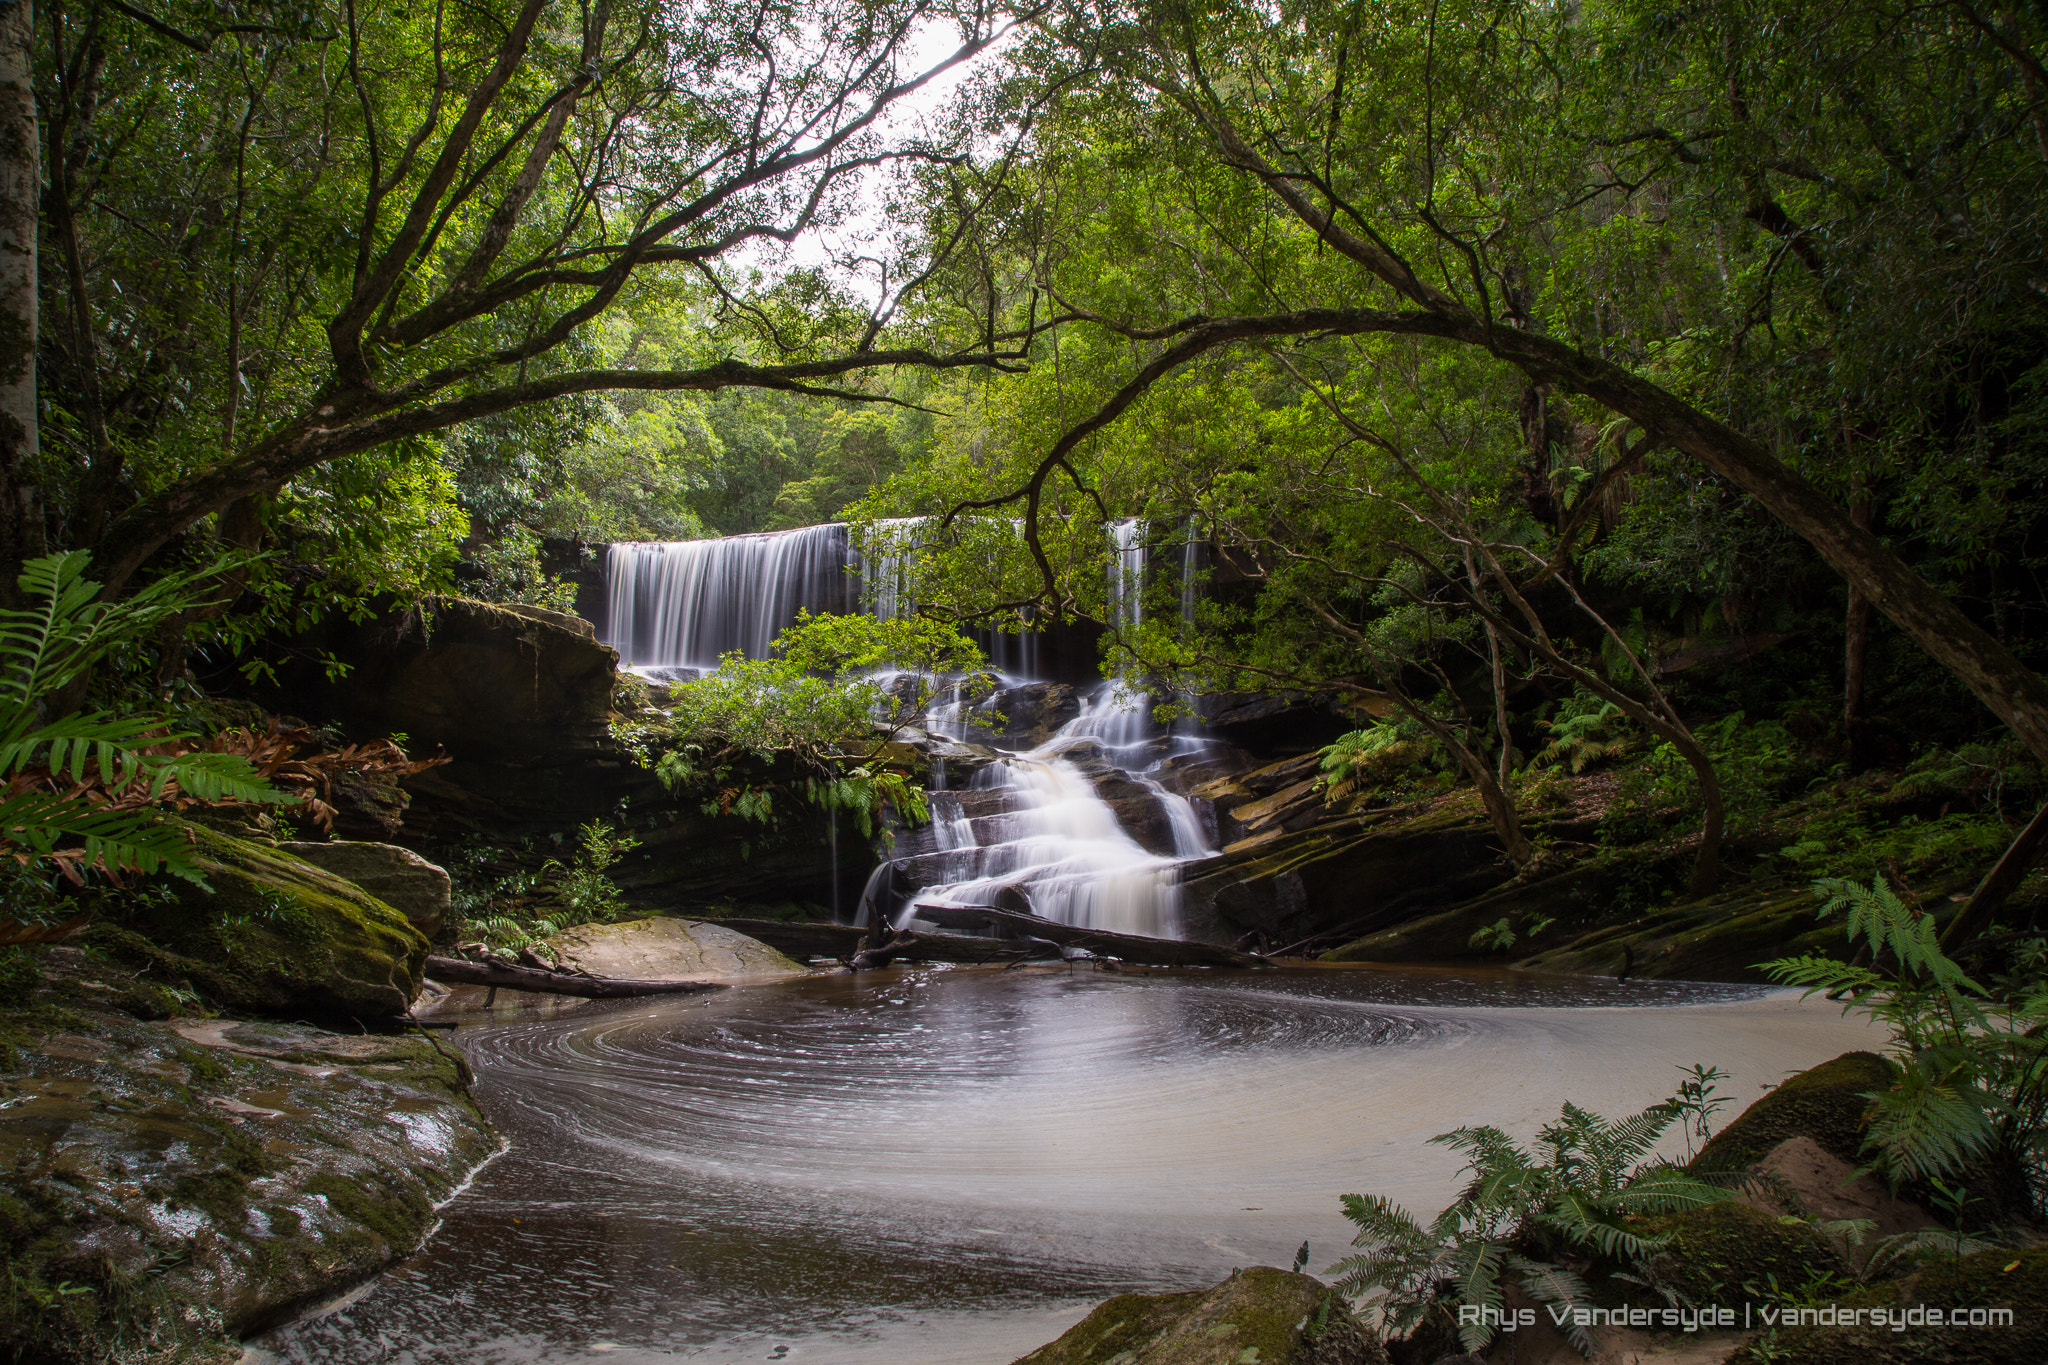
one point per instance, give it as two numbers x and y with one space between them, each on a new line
1259 1316
1825 1103
167 1187
274 934
1727 1252
1986 1283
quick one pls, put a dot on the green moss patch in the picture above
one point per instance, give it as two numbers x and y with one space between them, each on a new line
1989 1282
1825 1103
1260 1316
166 1187
274 934
1725 1253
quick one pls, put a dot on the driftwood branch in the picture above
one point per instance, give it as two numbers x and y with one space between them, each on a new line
461 971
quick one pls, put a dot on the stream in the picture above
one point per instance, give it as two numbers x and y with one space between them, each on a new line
950 1165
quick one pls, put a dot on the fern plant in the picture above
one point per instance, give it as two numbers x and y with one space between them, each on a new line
82 787
1969 1097
1521 1216
1582 737
1362 759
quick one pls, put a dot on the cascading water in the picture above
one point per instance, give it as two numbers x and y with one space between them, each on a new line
1059 846
1032 827
1033 830
683 603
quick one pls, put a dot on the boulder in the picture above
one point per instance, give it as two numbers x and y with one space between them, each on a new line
2011 1284
1030 714
522 699
665 949
397 876
1723 1253
271 933
485 681
1825 1104
1260 1315
185 1183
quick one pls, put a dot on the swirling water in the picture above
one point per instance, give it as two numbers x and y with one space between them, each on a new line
945 1165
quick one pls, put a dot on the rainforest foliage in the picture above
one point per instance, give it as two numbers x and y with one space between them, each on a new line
1492 369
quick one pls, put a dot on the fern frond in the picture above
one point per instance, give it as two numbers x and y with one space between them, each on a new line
1478 1285
1547 1283
118 841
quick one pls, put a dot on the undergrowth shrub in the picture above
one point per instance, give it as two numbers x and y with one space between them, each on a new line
1575 1197
1968 1105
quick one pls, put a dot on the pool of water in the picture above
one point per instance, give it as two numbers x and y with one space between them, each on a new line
932 1165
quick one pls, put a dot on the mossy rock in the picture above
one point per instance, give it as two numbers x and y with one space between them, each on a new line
1259 1316
1728 1252
1986 1282
1825 1103
274 935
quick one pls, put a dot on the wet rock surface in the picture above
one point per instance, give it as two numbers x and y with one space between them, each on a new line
1025 716
665 949
169 1186
1339 873
1258 1315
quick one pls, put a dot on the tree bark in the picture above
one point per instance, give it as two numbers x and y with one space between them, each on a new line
1856 645
2013 692
2001 881
21 504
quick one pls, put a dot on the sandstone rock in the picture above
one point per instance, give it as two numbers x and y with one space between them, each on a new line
1801 1177
1824 1104
522 701
273 934
665 949
206 1178
1345 872
397 876
1030 714
1260 1315
2004 1280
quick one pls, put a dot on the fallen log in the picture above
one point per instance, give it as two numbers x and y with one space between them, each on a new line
910 946
810 938
799 938
1157 952
462 971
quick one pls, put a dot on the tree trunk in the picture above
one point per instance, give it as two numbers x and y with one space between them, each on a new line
21 502
1498 666
2019 859
1500 806
1856 644
2013 692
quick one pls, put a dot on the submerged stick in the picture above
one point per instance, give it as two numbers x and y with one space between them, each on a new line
464 972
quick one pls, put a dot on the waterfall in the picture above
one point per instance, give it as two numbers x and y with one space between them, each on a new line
1058 845
1128 554
683 603
886 563
1031 829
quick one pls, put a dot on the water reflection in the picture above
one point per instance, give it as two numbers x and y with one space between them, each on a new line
835 1169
